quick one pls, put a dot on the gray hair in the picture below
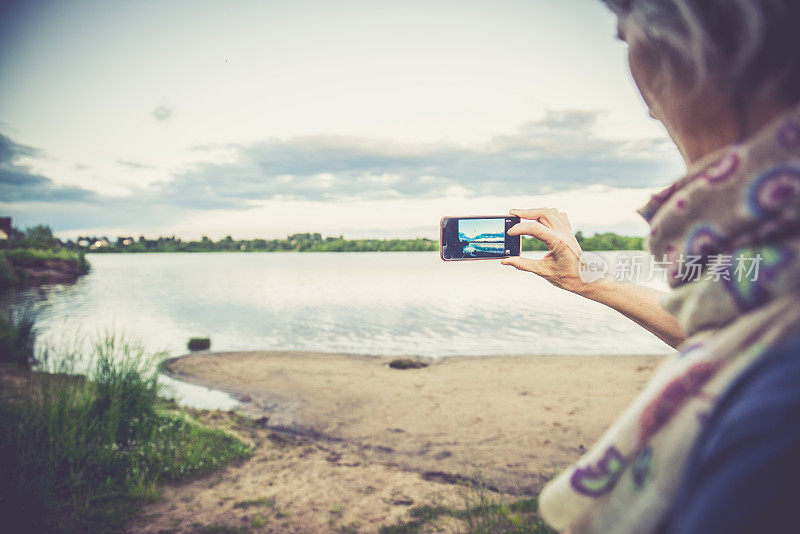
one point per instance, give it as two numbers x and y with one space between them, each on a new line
742 45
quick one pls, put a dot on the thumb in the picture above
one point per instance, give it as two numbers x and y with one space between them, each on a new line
524 264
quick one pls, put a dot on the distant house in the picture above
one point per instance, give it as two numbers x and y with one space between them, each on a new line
83 242
125 241
100 243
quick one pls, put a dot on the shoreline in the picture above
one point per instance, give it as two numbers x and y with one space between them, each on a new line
45 271
516 419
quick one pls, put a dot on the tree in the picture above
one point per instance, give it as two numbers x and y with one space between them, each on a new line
39 236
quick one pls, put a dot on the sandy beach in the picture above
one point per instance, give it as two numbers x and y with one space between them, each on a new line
374 436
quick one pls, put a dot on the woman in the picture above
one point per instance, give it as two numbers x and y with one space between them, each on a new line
713 442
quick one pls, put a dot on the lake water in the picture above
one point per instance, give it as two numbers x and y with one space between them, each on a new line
402 303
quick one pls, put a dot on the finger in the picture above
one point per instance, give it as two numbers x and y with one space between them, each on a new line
535 213
524 264
532 213
535 229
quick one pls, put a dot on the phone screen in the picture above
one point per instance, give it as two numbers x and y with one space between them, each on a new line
474 238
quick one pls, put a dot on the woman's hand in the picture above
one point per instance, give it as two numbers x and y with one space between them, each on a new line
560 266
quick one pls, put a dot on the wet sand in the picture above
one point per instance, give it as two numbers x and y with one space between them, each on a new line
516 418
366 442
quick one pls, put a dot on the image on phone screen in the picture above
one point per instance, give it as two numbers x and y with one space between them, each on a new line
482 237
477 238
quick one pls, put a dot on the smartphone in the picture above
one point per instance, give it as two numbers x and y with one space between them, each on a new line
477 238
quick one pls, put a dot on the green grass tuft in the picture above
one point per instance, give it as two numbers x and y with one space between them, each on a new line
80 454
484 512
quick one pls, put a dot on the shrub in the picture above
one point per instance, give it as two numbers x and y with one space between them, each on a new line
199 343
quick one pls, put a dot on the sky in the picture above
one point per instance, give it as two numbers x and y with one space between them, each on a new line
471 228
363 118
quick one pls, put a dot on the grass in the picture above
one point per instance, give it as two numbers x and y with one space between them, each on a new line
484 512
337 510
8 277
33 257
216 528
82 454
17 339
15 263
261 501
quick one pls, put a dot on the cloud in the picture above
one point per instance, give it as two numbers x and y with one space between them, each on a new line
135 165
162 113
11 151
19 184
556 153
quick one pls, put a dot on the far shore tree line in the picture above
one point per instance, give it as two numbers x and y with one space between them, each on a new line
41 237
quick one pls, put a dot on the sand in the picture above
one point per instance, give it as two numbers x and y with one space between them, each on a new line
374 441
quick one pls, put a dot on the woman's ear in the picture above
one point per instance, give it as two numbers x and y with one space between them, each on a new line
647 71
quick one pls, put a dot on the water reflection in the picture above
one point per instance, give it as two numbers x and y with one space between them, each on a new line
200 397
382 303
364 303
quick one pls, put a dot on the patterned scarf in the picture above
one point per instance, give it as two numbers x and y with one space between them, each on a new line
729 234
